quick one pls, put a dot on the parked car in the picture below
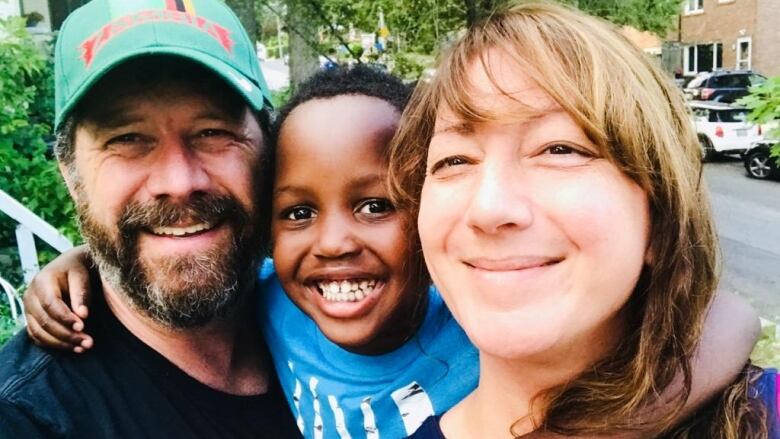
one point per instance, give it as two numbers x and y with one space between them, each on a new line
722 85
759 164
723 128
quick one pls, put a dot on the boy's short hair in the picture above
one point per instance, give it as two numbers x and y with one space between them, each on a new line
344 80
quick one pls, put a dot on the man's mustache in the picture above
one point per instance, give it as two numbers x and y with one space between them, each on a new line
201 208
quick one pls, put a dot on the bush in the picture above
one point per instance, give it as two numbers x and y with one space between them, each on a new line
28 172
764 103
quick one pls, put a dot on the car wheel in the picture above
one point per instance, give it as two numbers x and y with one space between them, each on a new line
758 165
707 151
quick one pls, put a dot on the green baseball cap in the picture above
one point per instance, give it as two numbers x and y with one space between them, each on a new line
105 33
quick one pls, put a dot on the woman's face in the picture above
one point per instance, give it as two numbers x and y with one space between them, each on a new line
535 240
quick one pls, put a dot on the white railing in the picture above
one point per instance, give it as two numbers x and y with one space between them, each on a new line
29 226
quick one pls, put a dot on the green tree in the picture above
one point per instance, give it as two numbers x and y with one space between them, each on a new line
422 26
764 103
28 172
245 10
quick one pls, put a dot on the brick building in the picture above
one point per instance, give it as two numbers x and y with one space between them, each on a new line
726 34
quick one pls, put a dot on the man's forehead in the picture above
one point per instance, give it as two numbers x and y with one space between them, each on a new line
123 104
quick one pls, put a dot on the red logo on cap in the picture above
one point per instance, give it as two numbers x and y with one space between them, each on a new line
92 45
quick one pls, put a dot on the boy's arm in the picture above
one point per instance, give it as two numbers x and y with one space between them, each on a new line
62 283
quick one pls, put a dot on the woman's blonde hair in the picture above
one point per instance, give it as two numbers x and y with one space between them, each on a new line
636 116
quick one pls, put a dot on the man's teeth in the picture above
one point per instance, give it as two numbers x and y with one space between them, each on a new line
346 290
181 231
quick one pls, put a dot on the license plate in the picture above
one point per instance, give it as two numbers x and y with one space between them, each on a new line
741 132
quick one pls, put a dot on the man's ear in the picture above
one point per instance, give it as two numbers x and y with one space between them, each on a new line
67 175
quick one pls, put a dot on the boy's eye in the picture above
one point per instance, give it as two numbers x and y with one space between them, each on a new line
300 213
375 206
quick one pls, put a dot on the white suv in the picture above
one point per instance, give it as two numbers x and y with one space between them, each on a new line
723 128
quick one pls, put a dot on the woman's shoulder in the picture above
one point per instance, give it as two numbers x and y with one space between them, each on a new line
429 430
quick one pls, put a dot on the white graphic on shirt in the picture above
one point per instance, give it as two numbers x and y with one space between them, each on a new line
338 414
317 416
297 398
369 423
414 405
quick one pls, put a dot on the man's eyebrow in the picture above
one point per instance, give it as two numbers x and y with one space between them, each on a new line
213 114
116 117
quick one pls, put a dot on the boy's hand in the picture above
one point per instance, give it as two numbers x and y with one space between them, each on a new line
50 322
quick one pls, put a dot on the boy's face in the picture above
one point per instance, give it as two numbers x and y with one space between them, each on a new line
341 251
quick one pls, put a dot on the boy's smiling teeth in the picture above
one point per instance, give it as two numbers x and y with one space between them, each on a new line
346 290
181 231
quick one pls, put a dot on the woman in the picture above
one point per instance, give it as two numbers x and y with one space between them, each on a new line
561 214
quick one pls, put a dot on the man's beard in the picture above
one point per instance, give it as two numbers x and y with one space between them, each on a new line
181 291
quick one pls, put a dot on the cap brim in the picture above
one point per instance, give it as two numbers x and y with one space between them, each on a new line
252 93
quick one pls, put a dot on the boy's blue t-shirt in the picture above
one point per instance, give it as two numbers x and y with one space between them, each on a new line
337 394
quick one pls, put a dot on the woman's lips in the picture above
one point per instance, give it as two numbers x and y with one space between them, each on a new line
517 263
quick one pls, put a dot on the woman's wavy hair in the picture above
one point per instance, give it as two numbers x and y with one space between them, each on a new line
636 116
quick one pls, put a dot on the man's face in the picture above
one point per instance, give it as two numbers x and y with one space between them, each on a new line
165 180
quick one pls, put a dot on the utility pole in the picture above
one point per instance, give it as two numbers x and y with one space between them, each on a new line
279 37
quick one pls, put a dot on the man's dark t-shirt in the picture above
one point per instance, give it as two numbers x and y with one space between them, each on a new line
123 389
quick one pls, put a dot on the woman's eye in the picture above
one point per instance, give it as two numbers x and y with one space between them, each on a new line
448 162
561 149
564 149
377 206
299 213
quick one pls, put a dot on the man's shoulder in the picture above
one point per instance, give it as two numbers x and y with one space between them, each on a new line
22 363
29 388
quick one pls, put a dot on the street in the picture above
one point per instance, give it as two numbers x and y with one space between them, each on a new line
276 73
747 214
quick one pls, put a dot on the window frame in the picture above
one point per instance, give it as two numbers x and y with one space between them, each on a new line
699 9
739 59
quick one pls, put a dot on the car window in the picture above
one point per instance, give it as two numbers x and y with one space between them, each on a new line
730 81
697 81
757 79
729 116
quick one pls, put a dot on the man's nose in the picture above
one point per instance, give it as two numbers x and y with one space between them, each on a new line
177 171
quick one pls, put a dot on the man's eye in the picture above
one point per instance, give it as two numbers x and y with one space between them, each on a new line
213 138
126 138
448 162
376 206
299 213
213 132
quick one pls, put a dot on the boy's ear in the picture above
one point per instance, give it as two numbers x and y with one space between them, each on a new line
67 175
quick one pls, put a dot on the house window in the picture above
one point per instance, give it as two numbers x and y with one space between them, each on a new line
703 58
694 6
60 9
744 53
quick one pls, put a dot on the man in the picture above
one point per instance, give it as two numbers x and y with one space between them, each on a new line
160 116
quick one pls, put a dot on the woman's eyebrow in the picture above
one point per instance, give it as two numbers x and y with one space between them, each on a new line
456 128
